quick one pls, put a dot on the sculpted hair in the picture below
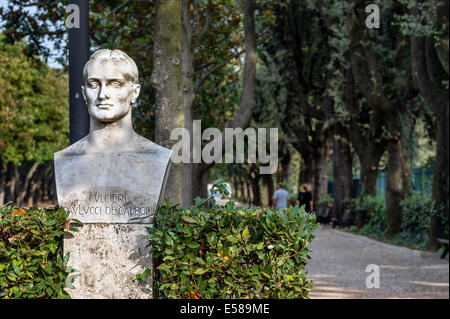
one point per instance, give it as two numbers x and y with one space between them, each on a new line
131 70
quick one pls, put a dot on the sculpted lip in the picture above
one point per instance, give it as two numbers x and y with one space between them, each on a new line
103 105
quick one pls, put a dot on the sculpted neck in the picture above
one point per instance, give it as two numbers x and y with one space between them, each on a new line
111 136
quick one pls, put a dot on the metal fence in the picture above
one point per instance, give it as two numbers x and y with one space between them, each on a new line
421 179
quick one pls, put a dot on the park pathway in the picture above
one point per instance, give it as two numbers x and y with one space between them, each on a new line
339 259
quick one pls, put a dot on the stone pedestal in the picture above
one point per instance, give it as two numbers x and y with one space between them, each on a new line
108 258
116 196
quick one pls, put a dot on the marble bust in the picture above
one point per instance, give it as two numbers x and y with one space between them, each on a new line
112 175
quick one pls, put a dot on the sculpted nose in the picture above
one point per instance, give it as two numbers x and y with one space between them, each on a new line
103 94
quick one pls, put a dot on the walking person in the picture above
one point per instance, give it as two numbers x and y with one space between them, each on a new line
281 198
305 198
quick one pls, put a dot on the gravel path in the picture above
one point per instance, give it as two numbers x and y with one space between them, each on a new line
339 259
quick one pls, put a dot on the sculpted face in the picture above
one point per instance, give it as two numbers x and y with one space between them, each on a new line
107 91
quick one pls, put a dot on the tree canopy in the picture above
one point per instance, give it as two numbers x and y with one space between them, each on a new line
33 107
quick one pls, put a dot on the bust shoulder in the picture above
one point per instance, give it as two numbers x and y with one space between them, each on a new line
138 144
78 148
143 145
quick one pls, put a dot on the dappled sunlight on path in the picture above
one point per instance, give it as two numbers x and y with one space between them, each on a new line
339 260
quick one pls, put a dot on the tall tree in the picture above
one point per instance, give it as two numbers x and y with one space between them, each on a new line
311 75
167 80
242 115
395 102
205 28
429 53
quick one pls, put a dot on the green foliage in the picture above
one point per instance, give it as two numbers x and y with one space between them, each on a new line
39 26
231 252
440 213
417 210
31 263
34 119
326 202
376 207
366 203
424 22
219 187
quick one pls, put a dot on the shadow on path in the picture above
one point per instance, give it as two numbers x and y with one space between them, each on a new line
339 260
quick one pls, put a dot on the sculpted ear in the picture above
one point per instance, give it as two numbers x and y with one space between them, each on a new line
136 91
83 91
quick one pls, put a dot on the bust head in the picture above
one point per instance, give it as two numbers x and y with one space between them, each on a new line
110 80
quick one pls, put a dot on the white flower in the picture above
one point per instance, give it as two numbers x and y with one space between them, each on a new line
270 246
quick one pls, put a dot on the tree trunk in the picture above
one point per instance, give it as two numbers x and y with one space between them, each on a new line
368 144
320 188
28 177
188 97
18 184
285 161
10 186
369 171
251 196
240 195
256 200
246 192
268 189
167 80
342 170
37 185
397 187
200 187
307 172
369 160
253 177
234 191
3 172
50 182
256 192
46 183
440 180
31 194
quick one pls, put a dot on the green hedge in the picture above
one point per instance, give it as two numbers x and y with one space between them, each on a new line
417 210
376 207
199 252
31 264
229 252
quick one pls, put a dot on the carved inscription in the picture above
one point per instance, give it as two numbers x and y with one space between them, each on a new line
110 204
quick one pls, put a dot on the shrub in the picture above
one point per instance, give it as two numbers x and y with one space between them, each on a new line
417 210
376 224
326 202
230 252
31 263
439 211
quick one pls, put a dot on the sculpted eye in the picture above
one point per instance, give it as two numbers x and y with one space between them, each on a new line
116 84
93 85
